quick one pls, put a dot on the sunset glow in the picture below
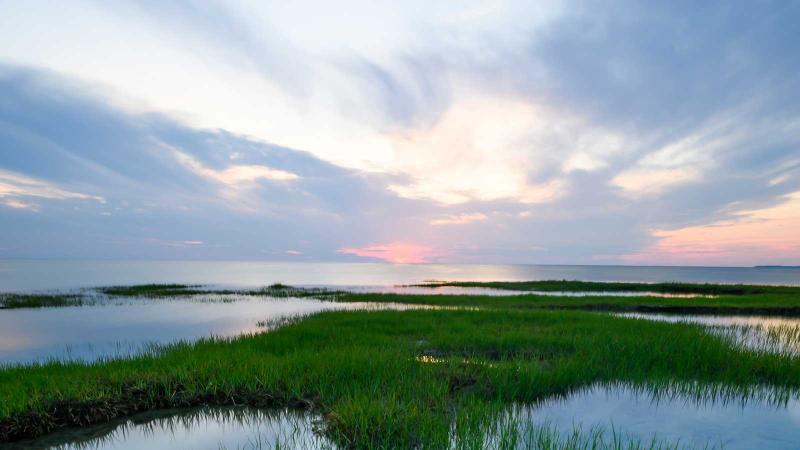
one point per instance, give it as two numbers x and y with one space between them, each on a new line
481 132
397 253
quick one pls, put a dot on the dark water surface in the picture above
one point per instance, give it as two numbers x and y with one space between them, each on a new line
21 275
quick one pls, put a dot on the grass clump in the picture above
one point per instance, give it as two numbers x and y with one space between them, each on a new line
278 290
598 286
12 301
777 301
153 290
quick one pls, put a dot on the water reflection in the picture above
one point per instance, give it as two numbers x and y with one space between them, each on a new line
599 416
689 417
133 326
759 333
206 428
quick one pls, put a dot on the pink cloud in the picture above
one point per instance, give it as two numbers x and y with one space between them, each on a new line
396 252
764 236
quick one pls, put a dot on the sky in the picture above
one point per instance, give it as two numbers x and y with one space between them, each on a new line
624 132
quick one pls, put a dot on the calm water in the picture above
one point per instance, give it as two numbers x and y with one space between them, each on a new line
127 327
729 422
200 429
719 421
17 275
761 333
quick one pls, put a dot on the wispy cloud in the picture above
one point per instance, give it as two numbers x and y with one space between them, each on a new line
15 187
235 175
459 219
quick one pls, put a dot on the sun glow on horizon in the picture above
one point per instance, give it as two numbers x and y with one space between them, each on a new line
395 252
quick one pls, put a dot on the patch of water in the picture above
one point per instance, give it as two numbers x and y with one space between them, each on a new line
132 326
761 419
196 429
719 320
761 333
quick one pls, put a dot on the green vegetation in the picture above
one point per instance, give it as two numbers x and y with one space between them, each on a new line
184 290
292 429
10 301
153 290
596 286
390 379
715 299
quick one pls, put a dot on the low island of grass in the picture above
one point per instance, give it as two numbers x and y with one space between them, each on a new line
412 379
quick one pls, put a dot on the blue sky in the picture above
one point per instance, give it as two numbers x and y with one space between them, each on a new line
496 132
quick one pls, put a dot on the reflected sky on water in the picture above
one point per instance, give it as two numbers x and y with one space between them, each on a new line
130 326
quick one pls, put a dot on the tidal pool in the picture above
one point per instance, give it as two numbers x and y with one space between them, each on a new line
671 418
760 333
195 429
126 327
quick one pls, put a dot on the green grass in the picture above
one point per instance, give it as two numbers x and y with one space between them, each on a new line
784 302
150 291
393 379
184 290
597 286
361 371
153 290
720 299
11 301
285 429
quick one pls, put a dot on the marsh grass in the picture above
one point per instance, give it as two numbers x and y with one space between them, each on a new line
154 290
259 429
360 371
597 286
437 377
773 304
277 290
716 299
11 301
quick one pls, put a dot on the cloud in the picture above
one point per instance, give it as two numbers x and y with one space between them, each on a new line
575 130
459 219
642 182
18 204
235 175
762 236
14 187
163 178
